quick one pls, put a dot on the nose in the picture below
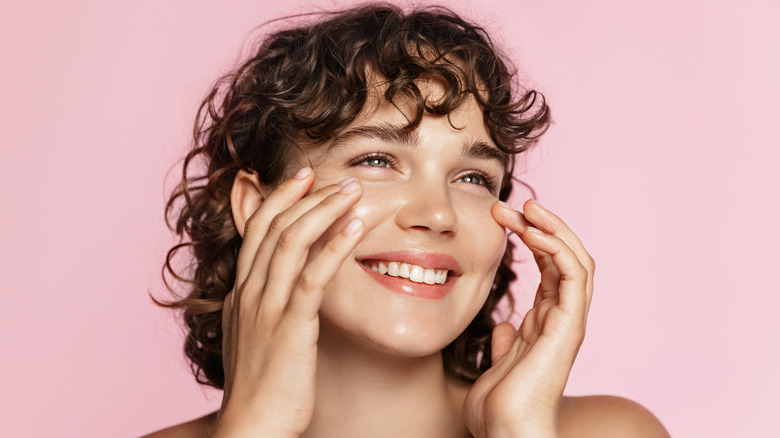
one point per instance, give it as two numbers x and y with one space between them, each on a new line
427 206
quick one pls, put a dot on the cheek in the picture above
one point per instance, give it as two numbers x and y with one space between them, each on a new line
374 206
486 239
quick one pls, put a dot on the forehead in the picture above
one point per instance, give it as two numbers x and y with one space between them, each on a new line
467 116
391 122
388 122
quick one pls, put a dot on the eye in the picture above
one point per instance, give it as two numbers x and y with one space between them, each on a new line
375 162
376 159
479 179
473 179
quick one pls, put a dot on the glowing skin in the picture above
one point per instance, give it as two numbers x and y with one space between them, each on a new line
425 207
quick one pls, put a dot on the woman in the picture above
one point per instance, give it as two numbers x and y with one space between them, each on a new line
350 242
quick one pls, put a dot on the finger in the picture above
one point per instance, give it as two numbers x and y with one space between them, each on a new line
256 227
258 269
292 249
309 289
574 276
516 222
508 217
536 215
504 336
550 275
550 223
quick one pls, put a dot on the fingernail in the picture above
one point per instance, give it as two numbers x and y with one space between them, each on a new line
534 201
505 205
303 173
350 187
346 181
353 227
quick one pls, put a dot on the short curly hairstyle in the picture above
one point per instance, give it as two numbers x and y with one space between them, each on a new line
313 80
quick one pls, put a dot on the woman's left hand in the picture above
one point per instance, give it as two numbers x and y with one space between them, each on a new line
520 395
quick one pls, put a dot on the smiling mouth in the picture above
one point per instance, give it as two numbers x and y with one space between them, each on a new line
414 273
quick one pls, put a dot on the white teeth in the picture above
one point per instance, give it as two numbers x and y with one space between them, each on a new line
415 273
392 269
430 276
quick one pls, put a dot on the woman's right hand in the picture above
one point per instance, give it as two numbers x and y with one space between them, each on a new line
270 319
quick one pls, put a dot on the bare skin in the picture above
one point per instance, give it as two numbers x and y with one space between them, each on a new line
315 347
580 417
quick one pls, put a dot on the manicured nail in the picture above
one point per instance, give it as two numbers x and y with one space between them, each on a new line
505 205
534 201
353 227
303 173
346 181
350 186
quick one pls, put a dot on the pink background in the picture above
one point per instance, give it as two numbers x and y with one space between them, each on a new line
663 158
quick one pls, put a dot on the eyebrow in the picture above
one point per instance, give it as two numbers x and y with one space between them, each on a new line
386 132
482 150
391 133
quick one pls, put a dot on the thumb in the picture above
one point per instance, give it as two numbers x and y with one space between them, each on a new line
504 336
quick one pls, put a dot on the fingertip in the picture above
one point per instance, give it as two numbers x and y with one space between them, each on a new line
353 227
349 185
501 210
532 203
539 216
303 173
504 335
504 326
509 217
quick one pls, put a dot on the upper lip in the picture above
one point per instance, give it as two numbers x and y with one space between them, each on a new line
424 259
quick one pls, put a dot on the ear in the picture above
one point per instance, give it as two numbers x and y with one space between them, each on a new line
246 196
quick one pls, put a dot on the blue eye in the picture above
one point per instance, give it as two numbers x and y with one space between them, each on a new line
375 162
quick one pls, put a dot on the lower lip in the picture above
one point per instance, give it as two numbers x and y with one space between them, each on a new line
408 287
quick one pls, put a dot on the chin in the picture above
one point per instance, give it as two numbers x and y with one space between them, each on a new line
400 327
402 339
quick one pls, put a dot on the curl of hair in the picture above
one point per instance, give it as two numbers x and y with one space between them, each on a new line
314 80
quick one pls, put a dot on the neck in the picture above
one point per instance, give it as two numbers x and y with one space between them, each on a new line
379 394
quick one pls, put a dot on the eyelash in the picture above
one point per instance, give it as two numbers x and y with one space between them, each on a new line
374 156
489 183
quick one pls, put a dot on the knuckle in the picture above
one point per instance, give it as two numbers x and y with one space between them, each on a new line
278 223
287 240
329 201
251 224
590 264
333 247
326 190
306 282
576 272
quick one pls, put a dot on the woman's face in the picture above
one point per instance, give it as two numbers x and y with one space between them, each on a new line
426 204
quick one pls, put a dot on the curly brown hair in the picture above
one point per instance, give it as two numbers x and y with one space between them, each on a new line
313 80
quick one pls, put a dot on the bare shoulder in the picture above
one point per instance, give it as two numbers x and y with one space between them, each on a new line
606 417
197 428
